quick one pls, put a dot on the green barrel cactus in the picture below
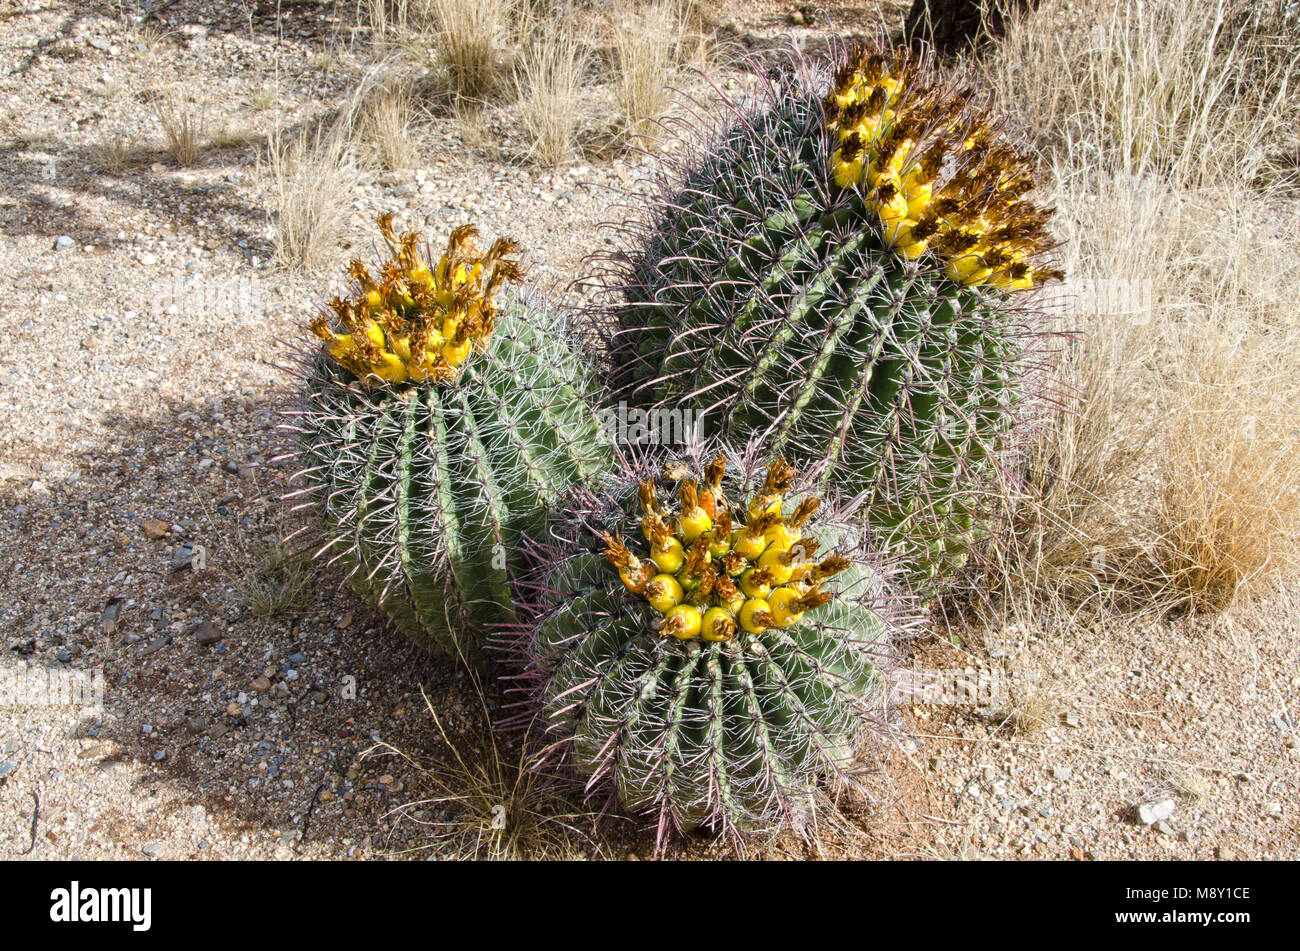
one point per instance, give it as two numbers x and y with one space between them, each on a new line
705 649
437 429
839 271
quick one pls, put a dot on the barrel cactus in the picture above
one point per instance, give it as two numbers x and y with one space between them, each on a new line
438 426
709 645
841 272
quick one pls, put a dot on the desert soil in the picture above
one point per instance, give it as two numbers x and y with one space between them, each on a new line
142 323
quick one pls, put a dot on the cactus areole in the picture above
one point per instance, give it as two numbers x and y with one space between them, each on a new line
440 422
841 271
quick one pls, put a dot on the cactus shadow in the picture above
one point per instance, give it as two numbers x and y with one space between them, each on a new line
281 758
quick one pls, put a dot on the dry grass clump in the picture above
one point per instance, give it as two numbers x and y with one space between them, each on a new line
488 802
182 123
390 21
1175 481
468 37
114 151
311 180
387 123
647 47
1192 90
1229 508
278 581
549 88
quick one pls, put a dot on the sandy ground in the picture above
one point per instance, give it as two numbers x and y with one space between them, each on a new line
138 393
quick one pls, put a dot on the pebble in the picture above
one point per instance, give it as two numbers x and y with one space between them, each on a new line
7 767
63 242
1149 813
155 645
260 683
155 528
207 633
182 556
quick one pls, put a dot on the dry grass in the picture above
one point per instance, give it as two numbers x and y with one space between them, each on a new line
549 87
115 151
469 36
311 180
1229 475
1174 483
387 123
390 21
1190 90
647 48
489 803
182 123
264 97
279 580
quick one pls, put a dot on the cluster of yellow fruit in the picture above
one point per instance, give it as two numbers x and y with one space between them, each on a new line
934 171
413 323
709 576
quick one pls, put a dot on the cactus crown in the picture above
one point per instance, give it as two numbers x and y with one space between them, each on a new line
935 172
711 570
415 324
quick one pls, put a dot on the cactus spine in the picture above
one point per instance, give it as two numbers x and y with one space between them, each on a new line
833 274
437 430
701 657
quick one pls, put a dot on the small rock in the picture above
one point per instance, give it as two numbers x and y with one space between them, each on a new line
261 684
108 617
183 556
207 633
797 18
63 242
1225 853
1061 773
232 709
1273 808
155 645
7 767
1149 813
155 528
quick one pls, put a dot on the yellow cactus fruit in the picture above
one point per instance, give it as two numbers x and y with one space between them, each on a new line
413 323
